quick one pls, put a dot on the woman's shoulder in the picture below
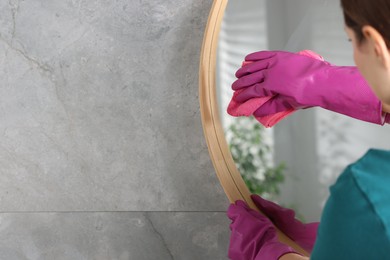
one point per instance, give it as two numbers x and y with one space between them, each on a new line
367 179
371 170
373 166
357 211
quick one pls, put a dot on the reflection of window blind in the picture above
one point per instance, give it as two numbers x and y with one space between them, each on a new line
294 25
341 140
243 31
328 36
330 40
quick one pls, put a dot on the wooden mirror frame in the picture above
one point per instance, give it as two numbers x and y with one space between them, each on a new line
226 170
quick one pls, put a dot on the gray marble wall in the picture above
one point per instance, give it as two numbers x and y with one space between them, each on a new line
102 154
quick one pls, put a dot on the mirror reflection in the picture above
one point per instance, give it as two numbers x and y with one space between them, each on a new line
294 162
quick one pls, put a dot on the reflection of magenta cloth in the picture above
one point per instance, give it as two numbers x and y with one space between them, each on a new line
250 106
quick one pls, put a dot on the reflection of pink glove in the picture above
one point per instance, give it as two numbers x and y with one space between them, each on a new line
253 235
253 103
303 234
301 82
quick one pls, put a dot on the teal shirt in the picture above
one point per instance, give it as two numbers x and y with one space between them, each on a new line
355 223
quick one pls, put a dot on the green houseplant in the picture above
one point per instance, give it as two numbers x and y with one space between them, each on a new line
253 157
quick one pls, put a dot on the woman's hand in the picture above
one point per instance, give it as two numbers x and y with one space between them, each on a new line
296 81
303 234
253 235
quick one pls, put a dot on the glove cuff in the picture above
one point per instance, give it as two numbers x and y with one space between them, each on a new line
350 95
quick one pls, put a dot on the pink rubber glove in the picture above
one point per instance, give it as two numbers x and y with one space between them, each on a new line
251 103
301 82
253 235
302 234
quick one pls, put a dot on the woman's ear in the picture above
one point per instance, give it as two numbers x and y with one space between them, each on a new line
377 43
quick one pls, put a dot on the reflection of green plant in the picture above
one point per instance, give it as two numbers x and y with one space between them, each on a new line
253 157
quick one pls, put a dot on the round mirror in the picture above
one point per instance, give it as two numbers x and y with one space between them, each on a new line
280 163
295 162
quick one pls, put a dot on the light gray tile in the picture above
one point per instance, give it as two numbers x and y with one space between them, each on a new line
194 235
114 236
99 107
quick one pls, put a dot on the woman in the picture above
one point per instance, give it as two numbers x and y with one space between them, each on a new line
356 219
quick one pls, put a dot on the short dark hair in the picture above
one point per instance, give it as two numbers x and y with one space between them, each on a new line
376 13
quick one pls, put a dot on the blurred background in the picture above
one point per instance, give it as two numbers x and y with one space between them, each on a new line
295 162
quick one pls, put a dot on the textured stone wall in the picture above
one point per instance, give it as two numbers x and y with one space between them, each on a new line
102 154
